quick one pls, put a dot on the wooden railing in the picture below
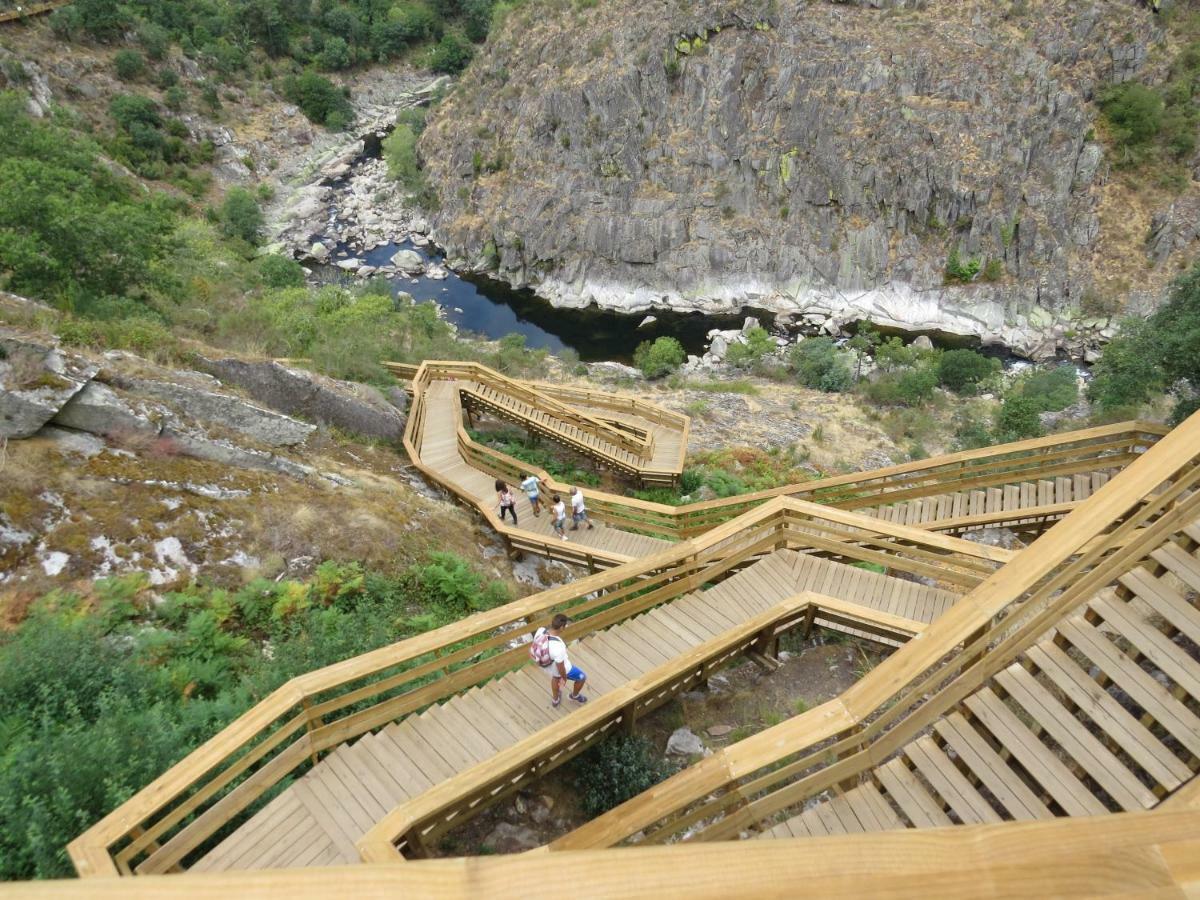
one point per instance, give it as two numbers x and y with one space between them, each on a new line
559 412
1124 855
171 820
413 827
746 783
24 11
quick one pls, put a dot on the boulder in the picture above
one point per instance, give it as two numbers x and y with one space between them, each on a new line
922 342
508 838
718 348
750 324
319 252
97 409
649 320
349 265
36 381
261 425
683 742
410 262
356 408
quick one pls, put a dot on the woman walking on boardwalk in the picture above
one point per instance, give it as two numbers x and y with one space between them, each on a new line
507 501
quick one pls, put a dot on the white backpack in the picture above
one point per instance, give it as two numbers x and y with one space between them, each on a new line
539 648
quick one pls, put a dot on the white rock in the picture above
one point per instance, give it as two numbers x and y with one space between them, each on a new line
750 323
683 742
350 265
922 342
319 252
649 320
410 262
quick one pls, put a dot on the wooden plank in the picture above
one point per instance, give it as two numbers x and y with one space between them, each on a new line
1034 756
1102 708
1152 643
413 746
467 731
910 795
384 774
336 778
355 784
481 705
869 794
993 772
1156 700
1164 601
1092 756
329 814
951 785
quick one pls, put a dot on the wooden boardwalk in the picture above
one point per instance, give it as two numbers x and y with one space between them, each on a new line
1100 715
319 818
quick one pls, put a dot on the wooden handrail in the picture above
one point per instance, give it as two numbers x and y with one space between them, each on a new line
418 823
906 692
31 9
256 748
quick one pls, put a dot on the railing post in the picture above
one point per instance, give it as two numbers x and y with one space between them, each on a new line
306 703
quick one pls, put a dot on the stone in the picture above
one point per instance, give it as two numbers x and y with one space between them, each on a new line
683 742
319 252
509 838
922 342
261 425
36 381
649 320
718 348
1004 538
719 730
750 324
410 262
356 408
349 265
97 409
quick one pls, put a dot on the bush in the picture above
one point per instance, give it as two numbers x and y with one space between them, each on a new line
400 154
240 216
174 98
751 354
1016 420
335 56
1050 389
280 272
319 99
129 65
451 55
619 767
911 387
818 364
659 358
104 20
1152 355
963 371
1135 112
958 271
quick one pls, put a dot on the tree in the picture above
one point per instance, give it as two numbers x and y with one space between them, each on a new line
964 370
1135 112
1017 419
400 154
451 55
1151 356
319 99
660 358
819 364
864 341
335 55
102 19
240 216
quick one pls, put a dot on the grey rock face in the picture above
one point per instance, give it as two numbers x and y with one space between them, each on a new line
36 381
820 159
409 262
508 838
97 409
352 407
261 425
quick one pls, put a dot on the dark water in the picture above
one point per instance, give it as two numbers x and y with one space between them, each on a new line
490 308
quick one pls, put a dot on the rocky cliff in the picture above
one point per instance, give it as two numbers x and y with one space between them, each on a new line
820 159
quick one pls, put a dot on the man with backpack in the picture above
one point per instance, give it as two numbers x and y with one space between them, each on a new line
549 651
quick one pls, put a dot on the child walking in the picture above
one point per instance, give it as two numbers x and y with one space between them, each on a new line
508 503
558 513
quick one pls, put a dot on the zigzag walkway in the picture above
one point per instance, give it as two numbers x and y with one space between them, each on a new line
1043 479
319 819
1098 716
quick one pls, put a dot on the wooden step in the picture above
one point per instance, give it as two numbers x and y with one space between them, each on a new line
922 810
994 774
951 785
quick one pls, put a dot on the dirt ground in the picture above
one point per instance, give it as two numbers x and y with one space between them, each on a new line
738 702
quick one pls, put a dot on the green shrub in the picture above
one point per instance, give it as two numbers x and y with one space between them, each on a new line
1149 356
963 371
129 65
335 55
400 154
280 272
1134 111
240 216
616 769
319 99
911 387
155 40
758 345
959 271
818 364
1050 389
894 354
451 55
659 358
1016 420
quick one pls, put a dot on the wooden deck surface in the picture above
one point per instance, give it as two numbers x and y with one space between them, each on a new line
1101 715
317 820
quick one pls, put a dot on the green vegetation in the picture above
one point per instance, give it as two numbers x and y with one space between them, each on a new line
754 352
1016 420
105 690
732 472
959 271
619 767
819 364
319 99
1050 389
240 217
964 371
1153 356
548 456
129 65
662 357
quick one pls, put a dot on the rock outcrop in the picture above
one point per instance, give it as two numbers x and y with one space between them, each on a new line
818 159
36 379
355 408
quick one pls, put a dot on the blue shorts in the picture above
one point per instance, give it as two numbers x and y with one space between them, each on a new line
575 674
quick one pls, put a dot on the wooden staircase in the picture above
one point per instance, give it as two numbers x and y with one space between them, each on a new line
324 813
1100 715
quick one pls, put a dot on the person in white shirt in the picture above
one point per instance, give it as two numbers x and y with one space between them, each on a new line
578 510
532 486
508 503
560 667
558 513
